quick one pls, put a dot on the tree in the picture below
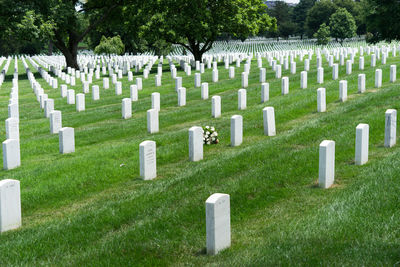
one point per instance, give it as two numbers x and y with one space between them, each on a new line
111 45
300 14
282 12
323 34
318 14
342 25
382 20
66 22
195 25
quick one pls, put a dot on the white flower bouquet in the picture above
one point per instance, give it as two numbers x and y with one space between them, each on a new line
210 135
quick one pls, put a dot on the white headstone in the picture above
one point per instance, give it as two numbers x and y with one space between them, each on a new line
215 75
303 80
390 127
70 97
262 75
66 140
378 78
264 92
11 154
118 88
361 83
349 65
95 92
231 72
343 90
80 102
393 70
242 99
195 143
321 100
139 83
181 96
152 121
218 223
63 90
335 71
12 128
245 80
48 107
134 92
320 75
236 130
216 106
361 63
55 121
269 121
178 83
10 203
197 80
147 156
106 83
326 175
362 139
285 85
204 91
155 101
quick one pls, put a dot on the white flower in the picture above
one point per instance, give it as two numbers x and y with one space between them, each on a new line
207 133
215 134
212 129
208 143
207 127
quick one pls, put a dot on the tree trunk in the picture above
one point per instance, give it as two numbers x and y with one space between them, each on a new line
71 57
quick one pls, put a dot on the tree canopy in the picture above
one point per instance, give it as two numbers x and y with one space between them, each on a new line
342 25
195 25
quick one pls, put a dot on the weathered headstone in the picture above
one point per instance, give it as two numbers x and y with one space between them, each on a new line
148 159
326 174
63 90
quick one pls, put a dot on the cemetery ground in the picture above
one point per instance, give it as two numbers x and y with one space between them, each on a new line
91 207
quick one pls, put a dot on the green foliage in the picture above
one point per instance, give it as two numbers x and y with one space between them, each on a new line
110 45
323 34
382 19
282 12
318 14
300 14
196 24
342 25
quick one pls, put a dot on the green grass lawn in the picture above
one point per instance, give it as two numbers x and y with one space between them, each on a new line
90 208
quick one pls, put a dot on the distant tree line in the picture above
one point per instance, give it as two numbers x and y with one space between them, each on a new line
135 26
